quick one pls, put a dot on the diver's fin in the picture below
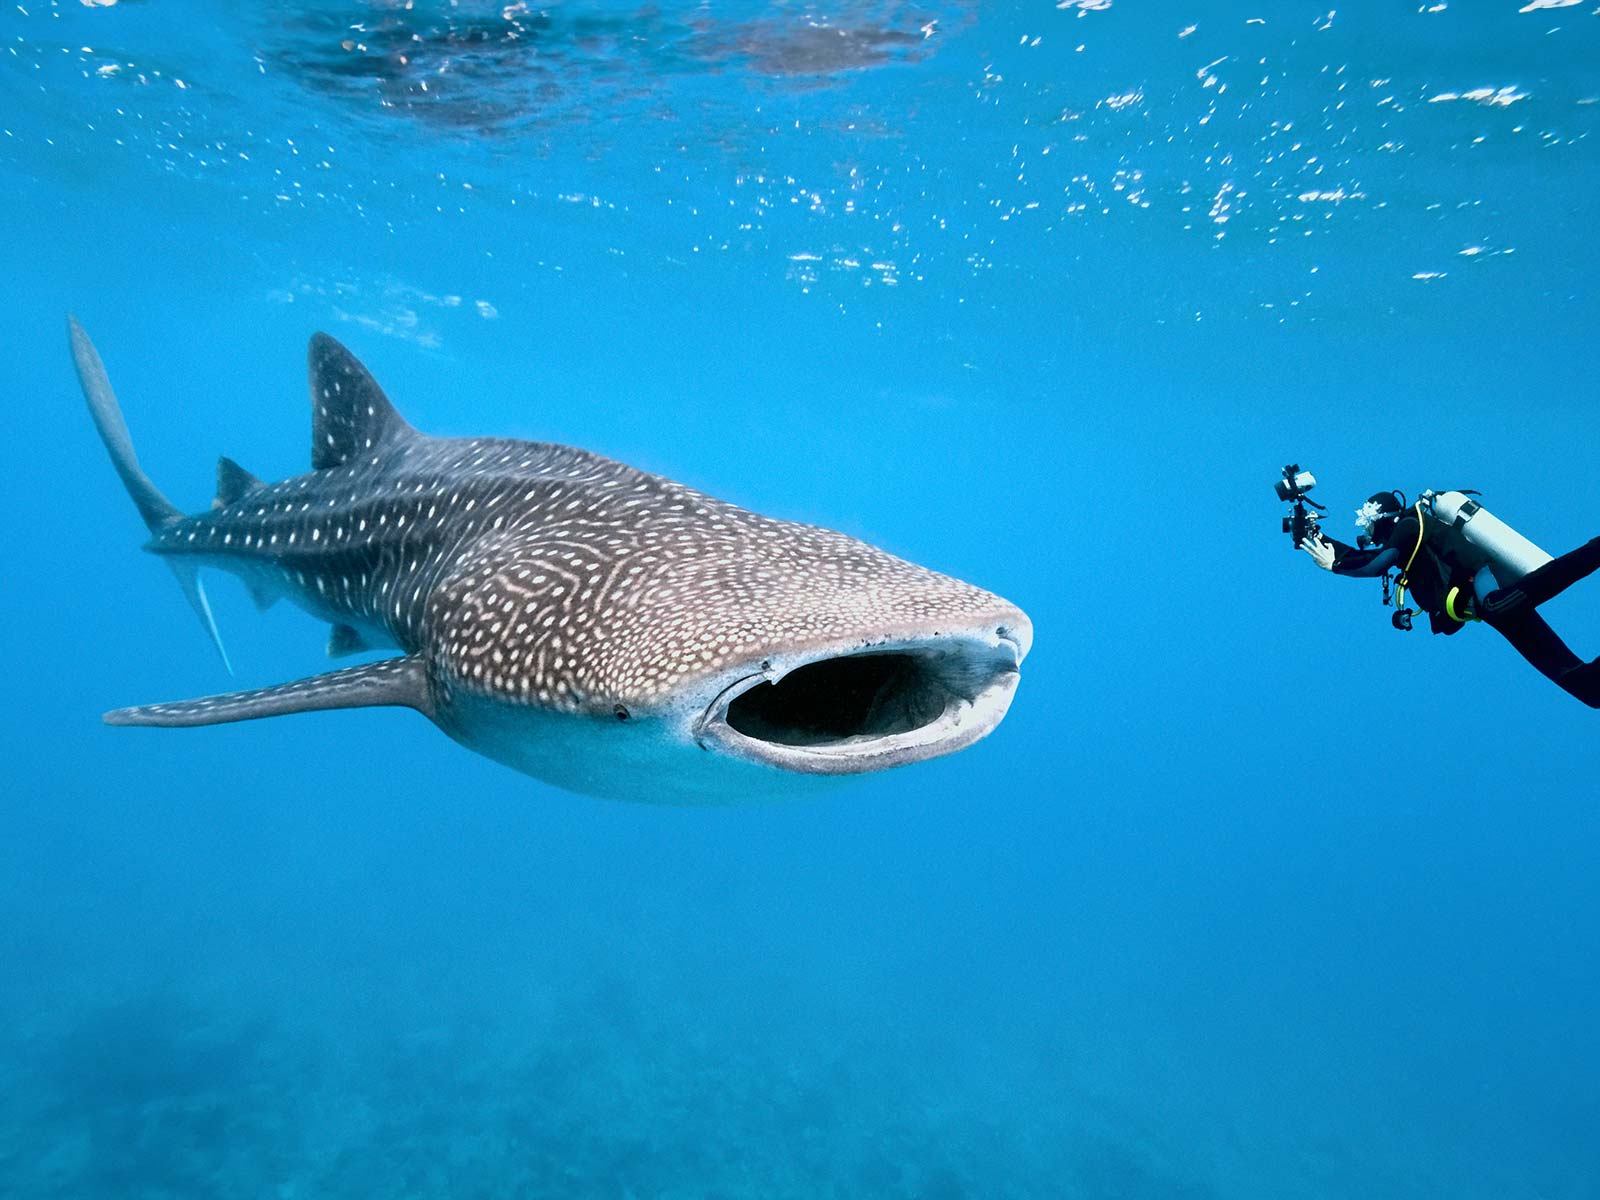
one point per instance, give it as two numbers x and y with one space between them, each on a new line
393 682
345 639
234 483
155 508
350 415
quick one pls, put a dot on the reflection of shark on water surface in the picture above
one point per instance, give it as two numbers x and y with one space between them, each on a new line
601 628
507 68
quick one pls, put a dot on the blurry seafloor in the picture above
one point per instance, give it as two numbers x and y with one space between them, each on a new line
1249 897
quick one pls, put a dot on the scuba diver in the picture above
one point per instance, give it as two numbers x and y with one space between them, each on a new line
1460 563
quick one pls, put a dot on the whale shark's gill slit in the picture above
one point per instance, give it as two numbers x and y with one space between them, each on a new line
842 699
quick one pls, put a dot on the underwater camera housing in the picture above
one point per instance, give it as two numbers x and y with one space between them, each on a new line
1300 522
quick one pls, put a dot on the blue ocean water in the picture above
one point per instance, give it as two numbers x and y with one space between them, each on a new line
1250 896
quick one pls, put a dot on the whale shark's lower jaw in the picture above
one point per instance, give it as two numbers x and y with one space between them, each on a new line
869 706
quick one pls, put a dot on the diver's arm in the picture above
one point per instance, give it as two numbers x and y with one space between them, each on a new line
1364 563
1404 540
1333 555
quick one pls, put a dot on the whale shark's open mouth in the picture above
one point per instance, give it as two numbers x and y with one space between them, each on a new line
877 706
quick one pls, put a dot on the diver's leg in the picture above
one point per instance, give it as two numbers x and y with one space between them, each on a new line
1548 581
1530 635
1583 681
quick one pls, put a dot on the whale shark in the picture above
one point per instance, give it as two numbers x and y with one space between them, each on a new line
598 627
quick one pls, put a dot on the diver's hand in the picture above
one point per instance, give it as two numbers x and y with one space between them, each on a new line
1320 550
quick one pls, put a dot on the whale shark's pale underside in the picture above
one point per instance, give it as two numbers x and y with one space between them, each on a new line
595 626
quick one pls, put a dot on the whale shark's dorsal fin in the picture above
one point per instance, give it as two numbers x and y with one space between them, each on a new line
394 682
350 415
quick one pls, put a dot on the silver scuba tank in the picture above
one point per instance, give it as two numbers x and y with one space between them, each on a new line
1479 538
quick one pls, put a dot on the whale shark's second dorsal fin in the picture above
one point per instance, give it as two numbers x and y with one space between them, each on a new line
234 483
350 415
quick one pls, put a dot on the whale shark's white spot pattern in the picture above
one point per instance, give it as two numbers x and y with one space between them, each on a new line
541 573
552 575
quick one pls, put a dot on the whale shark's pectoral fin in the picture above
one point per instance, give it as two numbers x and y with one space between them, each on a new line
394 682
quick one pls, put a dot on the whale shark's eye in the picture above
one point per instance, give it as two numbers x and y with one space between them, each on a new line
622 713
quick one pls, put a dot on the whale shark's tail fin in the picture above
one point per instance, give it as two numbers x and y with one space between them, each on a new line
155 508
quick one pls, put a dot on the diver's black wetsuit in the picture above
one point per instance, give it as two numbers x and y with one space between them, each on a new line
1428 580
1510 610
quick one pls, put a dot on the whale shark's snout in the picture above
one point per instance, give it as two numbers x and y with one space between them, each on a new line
865 706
